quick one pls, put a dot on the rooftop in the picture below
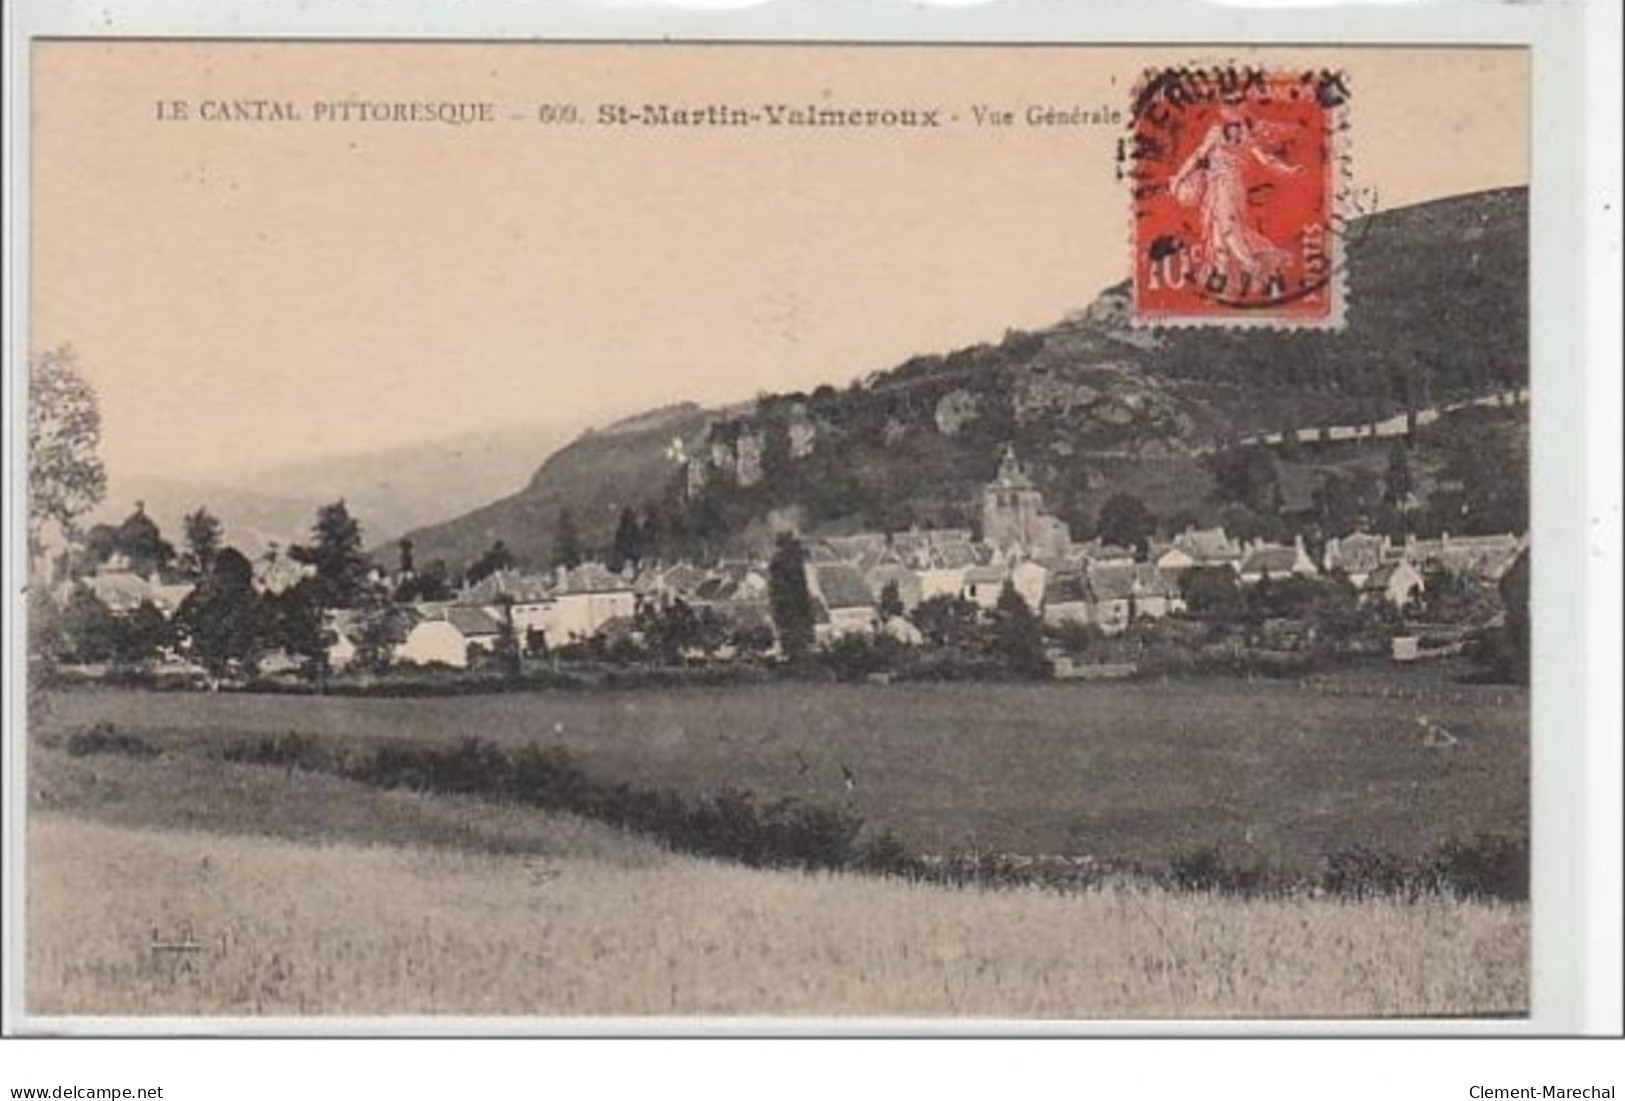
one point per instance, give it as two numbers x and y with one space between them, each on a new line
843 586
472 622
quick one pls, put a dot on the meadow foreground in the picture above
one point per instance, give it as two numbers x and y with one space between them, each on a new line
283 928
1138 771
292 892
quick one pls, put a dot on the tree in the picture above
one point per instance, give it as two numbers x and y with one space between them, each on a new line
297 625
435 583
66 478
1125 521
705 523
788 598
855 656
88 627
1018 635
335 551
710 631
496 559
948 621
669 630
1456 598
223 620
507 645
1335 505
777 462
1246 524
382 625
891 602
46 644
627 548
1332 606
566 542
1302 598
137 540
142 636
1397 483
97 545
1244 476
652 534
751 639
1075 638
1487 475
1212 591
432 583
95 634
407 564
141 541
1511 660
201 532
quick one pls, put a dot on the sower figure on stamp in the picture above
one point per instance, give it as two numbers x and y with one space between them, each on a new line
1214 179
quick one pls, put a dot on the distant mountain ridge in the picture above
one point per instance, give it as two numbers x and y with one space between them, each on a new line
1437 309
653 420
593 477
390 490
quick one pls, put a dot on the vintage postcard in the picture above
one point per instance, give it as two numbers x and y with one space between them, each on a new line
779 530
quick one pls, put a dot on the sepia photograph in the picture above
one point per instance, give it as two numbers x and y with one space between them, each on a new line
774 531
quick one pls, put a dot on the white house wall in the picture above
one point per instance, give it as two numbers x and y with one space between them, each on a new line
582 615
940 583
434 641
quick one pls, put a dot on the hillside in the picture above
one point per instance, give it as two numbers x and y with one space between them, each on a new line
1437 310
593 477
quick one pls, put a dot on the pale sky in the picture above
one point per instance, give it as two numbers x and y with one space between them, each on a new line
243 293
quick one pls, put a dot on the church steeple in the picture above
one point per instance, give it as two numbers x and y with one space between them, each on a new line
1013 517
1011 474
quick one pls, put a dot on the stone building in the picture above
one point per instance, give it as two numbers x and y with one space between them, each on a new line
1013 517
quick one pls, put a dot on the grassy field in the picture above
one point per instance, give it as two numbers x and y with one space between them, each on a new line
282 927
199 793
1264 769
308 894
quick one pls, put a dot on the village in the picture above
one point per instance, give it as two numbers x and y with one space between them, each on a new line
897 588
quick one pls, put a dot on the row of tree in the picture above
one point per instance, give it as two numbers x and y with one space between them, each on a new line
225 623
661 531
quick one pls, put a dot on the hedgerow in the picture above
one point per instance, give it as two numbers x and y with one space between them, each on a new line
733 824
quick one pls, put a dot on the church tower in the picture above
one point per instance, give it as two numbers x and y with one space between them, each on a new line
1013 508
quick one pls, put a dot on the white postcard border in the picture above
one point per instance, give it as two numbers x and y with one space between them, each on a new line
1570 778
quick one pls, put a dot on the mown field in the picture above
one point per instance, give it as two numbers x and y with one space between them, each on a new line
270 926
1265 770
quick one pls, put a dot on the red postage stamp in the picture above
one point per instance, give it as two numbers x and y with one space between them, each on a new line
1235 175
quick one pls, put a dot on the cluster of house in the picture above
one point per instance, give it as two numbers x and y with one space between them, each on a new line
121 590
568 604
1086 584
